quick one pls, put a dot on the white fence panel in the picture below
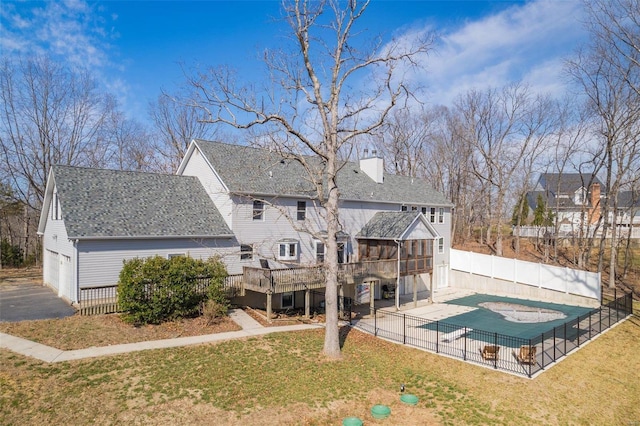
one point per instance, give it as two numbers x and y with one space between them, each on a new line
552 278
566 280
503 268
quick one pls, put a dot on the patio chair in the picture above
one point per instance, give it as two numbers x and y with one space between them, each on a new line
490 352
527 354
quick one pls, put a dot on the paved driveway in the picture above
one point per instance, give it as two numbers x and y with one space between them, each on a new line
22 301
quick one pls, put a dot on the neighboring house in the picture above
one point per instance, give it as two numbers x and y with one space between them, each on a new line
628 209
93 219
574 198
259 212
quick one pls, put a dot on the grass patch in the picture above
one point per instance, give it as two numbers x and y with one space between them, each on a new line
79 332
281 379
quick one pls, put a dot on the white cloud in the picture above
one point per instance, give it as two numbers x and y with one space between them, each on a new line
524 42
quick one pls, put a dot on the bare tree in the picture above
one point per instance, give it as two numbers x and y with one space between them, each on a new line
507 130
50 115
326 91
176 125
608 72
131 146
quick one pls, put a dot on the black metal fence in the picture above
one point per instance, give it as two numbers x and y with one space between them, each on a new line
104 299
513 354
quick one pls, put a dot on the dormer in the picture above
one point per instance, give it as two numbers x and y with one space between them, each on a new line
373 166
580 196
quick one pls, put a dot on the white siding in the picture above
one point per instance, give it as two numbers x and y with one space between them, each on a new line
55 240
100 261
197 166
278 223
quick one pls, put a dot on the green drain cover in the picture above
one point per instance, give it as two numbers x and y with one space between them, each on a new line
352 421
407 398
380 411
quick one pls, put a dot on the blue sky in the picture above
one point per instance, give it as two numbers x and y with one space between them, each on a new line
135 47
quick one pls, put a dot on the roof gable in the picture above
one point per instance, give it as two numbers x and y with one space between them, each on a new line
397 226
98 203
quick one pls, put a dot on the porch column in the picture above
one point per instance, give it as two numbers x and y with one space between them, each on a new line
269 306
306 303
415 290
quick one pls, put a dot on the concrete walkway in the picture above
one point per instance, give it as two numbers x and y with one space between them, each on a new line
250 327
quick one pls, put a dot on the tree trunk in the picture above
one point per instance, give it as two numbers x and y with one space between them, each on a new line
332 331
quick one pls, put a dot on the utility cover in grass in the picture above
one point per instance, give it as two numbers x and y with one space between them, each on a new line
407 398
352 421
380 411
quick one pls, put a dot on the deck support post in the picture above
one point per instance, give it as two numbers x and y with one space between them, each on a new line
307 308
415 290
372 302
269 294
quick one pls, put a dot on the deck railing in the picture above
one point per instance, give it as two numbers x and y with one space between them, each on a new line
469 344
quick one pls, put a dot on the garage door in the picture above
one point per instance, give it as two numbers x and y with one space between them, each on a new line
52 269
64 282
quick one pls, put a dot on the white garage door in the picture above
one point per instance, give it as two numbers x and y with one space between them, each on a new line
52 269
64 283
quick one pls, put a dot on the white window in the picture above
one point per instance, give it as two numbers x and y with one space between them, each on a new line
440 215
258 210
287 300
441 245
55 207
302 210
414 208
403 208
246 252
432 215
424 210
288 250
319 251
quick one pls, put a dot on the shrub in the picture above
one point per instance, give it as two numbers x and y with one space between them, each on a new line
12 254
154 290
213 311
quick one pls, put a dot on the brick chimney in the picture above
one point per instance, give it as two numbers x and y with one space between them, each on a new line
595 209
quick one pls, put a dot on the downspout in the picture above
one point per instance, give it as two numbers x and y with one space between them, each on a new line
397 292
76 289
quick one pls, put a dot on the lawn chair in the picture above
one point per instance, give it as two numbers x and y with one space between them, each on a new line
490 352
527 354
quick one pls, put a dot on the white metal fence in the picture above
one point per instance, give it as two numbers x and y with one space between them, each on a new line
567 280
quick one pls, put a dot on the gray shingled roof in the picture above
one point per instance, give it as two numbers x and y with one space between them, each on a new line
568 182
248 170
387 225
100 203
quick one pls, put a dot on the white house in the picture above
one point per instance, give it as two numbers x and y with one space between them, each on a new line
256 210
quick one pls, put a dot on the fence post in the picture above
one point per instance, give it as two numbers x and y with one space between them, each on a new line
578 331
495 358
565 338
375 322
531 363
464 350
542 349
437 337
590 325
554 344
404 329
615 297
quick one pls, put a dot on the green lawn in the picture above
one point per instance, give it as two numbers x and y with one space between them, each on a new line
280 379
